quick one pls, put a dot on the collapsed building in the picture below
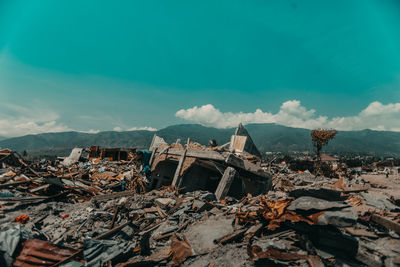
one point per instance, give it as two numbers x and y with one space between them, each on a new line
235 171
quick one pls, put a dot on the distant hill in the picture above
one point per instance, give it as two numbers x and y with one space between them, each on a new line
268 137
63 142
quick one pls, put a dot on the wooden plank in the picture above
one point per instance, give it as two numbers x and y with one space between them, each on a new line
388 224
177 178
225 183
29 168
235 235
18 182
355 189
360 232
152 157
114 217
39 188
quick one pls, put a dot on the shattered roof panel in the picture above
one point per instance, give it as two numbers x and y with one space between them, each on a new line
39 253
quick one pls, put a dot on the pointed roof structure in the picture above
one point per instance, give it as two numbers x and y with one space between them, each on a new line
242 142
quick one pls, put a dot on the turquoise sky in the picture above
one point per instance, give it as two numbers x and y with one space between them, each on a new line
105 64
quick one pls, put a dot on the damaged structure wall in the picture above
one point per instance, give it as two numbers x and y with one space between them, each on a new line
195 167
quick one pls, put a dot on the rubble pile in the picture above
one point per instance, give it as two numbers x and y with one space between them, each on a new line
150 210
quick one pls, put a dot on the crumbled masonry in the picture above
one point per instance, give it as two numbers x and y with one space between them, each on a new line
191 205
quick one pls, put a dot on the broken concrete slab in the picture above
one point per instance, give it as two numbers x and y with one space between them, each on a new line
307 203
343 218
73 157
242 142
225 183
379 202
164 202
322 193
202 235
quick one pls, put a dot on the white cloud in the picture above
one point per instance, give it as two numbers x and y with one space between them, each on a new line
145 128
376 116
120 129
17 120
377 108
91 131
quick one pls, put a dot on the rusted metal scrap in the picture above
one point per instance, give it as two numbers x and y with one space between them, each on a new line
276 212
180 250
39 253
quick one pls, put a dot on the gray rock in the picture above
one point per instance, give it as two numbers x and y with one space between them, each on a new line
311 203
343 218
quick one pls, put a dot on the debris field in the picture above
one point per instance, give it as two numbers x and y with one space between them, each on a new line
191 205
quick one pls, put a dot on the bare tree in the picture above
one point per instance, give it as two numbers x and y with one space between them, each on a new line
320 138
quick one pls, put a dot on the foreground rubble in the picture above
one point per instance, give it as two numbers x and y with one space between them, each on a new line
113 213
163 227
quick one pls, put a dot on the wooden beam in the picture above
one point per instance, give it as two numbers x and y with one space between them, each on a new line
387 223
114 217
177 178
235 235
29 168
18 182
225 183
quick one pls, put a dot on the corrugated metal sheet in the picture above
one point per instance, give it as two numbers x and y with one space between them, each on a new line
99 252
40 253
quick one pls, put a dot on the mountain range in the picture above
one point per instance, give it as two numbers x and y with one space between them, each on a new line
268 137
